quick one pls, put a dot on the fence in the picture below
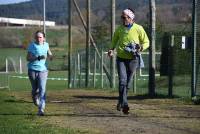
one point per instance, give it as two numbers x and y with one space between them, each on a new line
197 28
173 68
4 80
175 80
97 77
16 64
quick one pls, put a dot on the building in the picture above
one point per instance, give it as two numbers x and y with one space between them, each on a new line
24 22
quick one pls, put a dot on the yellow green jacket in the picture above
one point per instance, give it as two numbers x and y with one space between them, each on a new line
123 36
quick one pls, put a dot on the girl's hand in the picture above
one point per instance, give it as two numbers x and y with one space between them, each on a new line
110 53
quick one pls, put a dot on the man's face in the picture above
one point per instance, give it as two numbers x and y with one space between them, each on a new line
126 20
39 38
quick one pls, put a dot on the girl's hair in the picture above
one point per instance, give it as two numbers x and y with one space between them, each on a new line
131 10
39 31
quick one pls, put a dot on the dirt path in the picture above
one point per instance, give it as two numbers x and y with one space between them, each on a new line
95 112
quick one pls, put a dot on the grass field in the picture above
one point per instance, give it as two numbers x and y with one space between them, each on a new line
17 116
94 112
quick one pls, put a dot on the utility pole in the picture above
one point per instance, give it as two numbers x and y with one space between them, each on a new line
170 67
112 65
194 47
152 8
87 45
44 16
69 44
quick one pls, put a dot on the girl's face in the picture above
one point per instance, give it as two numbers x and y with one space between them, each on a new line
126 20
39 38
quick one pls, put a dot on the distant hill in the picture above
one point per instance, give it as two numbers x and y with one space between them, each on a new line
172 11
56 10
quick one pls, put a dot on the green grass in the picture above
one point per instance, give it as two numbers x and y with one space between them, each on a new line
91 112
18 117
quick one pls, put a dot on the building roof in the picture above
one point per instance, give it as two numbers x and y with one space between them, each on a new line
16 21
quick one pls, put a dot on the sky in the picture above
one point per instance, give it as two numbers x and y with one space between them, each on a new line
2 2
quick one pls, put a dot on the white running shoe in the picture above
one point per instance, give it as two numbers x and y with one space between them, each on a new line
36 101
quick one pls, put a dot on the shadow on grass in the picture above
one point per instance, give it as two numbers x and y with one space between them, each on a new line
86 115
17 101
48 101
156 96
95 97
89 115
136 97
17 114
67 114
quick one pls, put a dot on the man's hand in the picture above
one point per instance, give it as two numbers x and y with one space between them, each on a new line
138 47
110 53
